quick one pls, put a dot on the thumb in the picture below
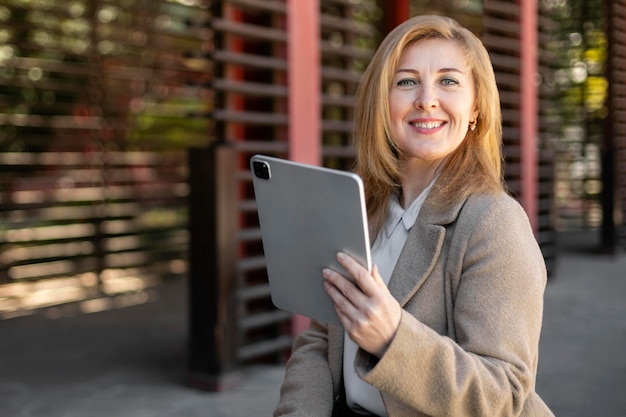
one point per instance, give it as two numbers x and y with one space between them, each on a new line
377 278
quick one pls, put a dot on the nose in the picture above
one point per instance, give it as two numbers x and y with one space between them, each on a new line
426 98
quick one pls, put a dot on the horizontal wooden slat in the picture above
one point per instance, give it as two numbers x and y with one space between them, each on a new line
250 88
264 319
503 26
343 101
253 145
253 292
501 8
337 126
249 30
350 25
264 347
505 63
265 5
504 45
250 60
255 118
251 264
328 49
347 75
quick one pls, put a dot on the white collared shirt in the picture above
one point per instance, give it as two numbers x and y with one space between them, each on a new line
361 396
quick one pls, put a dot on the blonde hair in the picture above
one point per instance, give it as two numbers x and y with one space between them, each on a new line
475 166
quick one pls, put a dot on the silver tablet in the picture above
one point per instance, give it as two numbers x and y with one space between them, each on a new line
307 214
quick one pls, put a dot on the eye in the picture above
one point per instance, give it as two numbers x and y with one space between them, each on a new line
449 82
406 82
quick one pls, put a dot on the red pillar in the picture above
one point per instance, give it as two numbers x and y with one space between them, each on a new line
303 28
395 12
303 20
529 110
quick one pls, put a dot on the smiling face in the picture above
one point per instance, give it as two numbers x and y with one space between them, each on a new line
431 100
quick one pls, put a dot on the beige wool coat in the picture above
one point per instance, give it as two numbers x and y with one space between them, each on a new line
471 280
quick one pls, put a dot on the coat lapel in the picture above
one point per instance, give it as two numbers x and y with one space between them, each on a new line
417 259
423 246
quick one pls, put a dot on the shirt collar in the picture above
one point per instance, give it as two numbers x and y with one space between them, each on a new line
394 214
397 214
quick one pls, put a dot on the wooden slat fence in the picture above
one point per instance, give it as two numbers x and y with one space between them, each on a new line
98 101
102 107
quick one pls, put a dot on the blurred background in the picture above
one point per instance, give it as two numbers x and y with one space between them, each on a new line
126 127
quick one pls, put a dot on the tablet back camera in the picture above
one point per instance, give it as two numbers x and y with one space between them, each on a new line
261 169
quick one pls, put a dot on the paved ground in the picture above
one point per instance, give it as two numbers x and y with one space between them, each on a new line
130 362
582 368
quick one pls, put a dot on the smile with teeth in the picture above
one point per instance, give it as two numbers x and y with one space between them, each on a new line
426 125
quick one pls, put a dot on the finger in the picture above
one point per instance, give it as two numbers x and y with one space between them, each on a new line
344 307
344 286
376 275
366 282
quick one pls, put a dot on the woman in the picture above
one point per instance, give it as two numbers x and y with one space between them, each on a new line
447 323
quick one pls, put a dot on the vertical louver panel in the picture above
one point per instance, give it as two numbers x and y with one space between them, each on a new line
617 106
501 29
349 38
501 36
251 116
549 128
251 94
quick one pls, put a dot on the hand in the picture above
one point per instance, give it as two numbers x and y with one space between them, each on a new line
367 310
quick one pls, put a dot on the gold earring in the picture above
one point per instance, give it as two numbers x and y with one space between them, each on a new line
472 125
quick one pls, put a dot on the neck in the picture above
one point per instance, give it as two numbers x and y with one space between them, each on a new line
416 176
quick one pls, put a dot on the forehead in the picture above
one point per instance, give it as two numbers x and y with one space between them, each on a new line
434 53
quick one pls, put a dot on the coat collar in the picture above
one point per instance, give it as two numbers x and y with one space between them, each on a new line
423 245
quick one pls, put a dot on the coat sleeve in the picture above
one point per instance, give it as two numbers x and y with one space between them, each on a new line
307 389
489 368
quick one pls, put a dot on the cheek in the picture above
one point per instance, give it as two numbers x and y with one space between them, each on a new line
464 116
400 103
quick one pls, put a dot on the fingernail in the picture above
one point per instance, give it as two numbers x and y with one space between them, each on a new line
341 255
326 272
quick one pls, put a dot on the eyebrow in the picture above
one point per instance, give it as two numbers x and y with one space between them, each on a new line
442 70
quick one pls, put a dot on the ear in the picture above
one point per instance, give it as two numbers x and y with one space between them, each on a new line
475 114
